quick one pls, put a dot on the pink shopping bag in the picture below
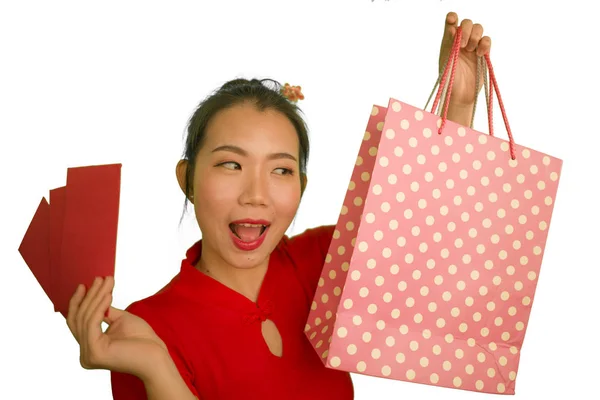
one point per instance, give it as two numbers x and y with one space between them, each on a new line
432 269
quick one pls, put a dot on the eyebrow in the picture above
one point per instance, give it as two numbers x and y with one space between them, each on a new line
244 153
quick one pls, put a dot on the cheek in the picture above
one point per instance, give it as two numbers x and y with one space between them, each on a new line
286 199
213 189
213 198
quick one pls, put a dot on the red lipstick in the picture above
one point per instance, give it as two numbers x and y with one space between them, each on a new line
255 244
252 221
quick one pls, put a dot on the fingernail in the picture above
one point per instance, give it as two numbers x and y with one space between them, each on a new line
106 313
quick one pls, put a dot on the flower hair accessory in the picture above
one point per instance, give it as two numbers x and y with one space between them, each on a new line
292 93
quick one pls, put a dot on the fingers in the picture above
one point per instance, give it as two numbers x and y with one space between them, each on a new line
475 37
467 27
90 321
93 327
450 25
472 35
85 303
74 304
112 315
485 44
93 353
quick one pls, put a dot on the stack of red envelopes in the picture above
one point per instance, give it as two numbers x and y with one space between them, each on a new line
73 239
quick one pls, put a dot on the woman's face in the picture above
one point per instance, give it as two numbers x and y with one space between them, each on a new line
246 184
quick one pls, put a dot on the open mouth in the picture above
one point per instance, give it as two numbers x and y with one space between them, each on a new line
247 232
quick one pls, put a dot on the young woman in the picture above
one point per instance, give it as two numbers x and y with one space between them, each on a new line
230 324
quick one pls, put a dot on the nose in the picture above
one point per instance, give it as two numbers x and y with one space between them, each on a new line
255 192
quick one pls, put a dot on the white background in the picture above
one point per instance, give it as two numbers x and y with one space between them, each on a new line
86 83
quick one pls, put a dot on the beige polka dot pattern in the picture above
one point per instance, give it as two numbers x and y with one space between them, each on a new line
337 271
449 236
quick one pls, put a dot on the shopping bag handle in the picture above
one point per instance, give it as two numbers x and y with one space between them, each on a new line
481 71
451 67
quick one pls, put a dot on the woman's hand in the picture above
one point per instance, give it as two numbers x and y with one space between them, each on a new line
129 345
473 44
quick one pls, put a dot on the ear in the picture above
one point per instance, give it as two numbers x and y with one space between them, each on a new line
303 183
181 172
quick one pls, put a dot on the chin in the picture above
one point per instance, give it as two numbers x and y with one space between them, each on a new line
247 260
250 254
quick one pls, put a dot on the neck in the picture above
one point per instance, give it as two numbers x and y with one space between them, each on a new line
246 281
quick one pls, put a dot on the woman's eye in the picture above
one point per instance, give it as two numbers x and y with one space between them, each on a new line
284 171
230 165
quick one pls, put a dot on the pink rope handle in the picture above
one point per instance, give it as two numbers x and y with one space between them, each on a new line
504 117
490 108
451 84
452 57
451 64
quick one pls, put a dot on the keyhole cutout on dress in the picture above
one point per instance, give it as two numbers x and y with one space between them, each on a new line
272 337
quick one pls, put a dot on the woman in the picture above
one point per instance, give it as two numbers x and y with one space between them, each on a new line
230 324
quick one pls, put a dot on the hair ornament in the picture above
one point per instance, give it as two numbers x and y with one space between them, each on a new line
292 93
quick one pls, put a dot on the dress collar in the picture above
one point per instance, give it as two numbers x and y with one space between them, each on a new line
210 292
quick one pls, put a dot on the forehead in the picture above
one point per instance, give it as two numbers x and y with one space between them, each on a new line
245 126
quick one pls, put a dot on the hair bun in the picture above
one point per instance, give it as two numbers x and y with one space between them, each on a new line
235 83
241 83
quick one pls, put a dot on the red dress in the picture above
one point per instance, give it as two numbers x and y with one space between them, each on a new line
214 333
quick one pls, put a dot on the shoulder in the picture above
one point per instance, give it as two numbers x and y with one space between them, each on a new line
162 310
313 239
306 253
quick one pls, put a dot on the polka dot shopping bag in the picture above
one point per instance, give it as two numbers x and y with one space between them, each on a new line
433 266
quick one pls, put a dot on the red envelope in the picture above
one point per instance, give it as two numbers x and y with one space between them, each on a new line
34 246
57 217
73 240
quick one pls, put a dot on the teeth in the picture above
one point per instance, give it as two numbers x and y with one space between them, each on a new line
252 225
